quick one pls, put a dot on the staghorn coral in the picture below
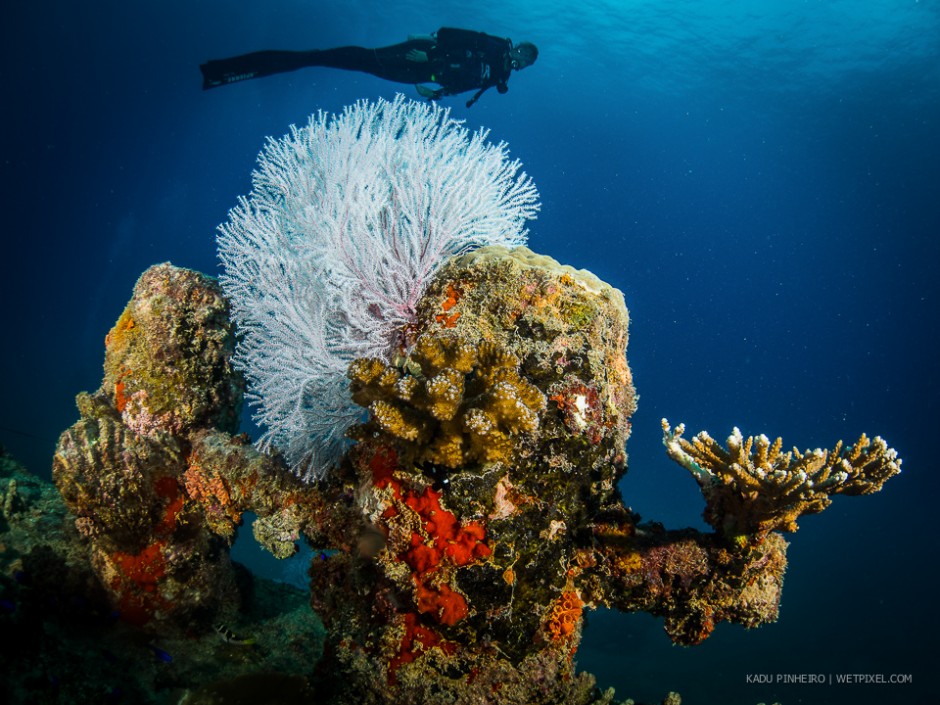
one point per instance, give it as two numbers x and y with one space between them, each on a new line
453 404
751 487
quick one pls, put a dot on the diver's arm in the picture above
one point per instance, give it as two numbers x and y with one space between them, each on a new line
417 56
476 96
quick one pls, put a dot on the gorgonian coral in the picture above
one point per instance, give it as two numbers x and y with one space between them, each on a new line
325 261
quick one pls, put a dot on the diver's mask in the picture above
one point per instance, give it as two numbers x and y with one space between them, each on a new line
522 55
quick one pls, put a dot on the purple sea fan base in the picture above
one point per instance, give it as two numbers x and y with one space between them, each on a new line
325 260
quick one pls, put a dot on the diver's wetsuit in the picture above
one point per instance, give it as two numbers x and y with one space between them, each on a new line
458 60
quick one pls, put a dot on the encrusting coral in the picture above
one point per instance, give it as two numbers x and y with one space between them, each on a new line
155 479
751 487
167 363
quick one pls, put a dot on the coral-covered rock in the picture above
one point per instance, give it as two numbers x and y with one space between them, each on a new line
167 359
474 519
155 480
494 543
111 478
483 488
61 641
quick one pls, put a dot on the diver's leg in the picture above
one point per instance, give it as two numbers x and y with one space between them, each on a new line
390 63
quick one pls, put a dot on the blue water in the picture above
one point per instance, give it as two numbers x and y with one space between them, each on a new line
761 179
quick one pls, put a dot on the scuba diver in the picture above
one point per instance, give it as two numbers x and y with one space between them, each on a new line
457 60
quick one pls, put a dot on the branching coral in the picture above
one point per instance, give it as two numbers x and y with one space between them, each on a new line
752 487
452 403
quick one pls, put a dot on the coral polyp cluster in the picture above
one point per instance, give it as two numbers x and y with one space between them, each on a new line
565 616
453 404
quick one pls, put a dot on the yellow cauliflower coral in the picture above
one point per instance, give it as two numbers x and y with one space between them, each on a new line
450 403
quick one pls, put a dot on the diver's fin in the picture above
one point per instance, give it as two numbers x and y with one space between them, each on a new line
219 72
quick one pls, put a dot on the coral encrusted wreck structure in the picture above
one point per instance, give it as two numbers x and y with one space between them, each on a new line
474 513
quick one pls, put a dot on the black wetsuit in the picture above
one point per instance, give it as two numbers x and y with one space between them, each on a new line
458 60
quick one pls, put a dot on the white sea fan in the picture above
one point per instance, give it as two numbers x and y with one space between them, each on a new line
327 257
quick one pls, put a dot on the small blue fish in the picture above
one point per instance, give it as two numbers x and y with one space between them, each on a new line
161 654
7 605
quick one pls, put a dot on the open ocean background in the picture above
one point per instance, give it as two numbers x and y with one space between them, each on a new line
760 178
